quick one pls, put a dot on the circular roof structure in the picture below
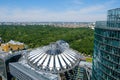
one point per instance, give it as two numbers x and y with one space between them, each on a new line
56 58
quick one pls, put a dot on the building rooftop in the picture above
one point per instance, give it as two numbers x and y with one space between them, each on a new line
15 42
3 55
31 74
54 58
7 55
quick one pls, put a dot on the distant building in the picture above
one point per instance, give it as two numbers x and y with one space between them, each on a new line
56 24
106 57
12 46
92 25
53 62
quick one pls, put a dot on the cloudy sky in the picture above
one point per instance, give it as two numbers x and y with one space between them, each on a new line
55 10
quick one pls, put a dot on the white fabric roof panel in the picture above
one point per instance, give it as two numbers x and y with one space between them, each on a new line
46 61
57 62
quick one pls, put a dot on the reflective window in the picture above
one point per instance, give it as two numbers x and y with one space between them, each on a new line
2 68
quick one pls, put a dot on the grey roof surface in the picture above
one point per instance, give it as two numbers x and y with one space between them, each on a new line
31 73
7 55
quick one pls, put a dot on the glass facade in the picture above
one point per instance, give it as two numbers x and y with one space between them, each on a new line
106 57
113 18
74 74
2 69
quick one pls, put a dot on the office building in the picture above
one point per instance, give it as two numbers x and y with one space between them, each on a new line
5 59
106 57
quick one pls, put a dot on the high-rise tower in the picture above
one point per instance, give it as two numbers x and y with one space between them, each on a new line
106 57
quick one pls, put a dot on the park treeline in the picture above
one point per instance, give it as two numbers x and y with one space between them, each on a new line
80 39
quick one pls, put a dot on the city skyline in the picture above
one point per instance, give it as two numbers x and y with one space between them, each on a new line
55 10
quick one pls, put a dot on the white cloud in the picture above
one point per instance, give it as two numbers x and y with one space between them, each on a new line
38 15
88 13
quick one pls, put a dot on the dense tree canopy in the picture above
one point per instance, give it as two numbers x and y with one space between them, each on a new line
80 39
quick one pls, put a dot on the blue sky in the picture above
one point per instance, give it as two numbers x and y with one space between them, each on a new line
56 10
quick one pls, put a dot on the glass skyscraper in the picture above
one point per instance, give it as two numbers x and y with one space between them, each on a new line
106 57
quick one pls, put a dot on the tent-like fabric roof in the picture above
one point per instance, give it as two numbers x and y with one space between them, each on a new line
56 57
